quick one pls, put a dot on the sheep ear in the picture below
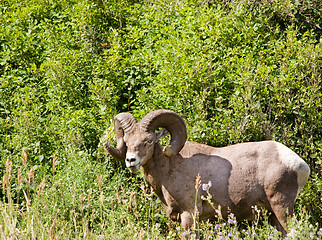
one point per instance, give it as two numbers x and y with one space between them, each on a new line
162 133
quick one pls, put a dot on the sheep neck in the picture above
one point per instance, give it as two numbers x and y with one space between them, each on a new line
156 169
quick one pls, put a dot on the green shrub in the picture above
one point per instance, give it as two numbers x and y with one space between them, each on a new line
235 70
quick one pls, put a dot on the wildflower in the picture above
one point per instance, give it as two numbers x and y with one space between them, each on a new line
311 235
206 186
184 234
178 228
217 226
231 221
292 233
320 232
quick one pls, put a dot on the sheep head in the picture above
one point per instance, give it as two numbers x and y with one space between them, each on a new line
136 140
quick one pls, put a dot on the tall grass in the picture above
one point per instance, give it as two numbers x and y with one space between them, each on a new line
114 209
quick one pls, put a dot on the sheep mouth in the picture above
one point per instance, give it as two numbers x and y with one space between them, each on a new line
134 169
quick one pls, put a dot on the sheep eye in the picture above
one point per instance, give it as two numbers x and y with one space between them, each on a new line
148 142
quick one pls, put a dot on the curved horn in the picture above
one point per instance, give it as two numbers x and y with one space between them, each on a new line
123 122
170 121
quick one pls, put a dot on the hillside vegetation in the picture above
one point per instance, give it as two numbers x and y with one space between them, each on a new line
236 71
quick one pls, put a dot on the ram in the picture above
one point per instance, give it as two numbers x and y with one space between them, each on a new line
266 174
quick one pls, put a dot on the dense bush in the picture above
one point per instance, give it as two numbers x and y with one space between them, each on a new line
235 70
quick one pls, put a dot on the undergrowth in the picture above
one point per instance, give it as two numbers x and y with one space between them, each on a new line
66 208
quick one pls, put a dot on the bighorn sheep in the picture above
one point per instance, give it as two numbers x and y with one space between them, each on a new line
266 174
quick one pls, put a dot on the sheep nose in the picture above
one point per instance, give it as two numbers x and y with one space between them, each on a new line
131 160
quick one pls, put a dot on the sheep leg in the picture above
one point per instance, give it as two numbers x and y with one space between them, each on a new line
280 216
276 223
186 220
281 196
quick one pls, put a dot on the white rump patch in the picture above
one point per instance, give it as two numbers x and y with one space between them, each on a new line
294 162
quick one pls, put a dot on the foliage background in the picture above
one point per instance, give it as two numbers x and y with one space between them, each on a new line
236 71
